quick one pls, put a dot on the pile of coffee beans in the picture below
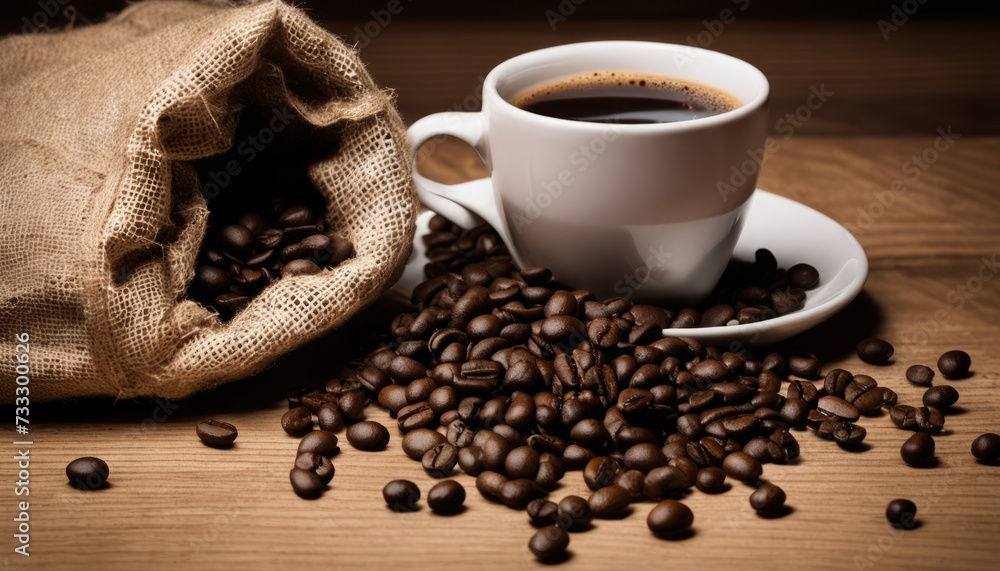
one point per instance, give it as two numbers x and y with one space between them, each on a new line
252 249
504 374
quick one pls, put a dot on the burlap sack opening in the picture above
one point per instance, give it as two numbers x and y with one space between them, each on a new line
102 214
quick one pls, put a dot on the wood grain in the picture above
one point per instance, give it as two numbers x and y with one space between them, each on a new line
175 504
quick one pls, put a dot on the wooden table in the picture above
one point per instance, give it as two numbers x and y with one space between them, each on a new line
175 504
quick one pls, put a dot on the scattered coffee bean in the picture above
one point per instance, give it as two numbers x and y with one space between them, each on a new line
875 351
669 518
87 473
920 375
319 442
368 435
297 421
768 499
609 501
446 497
574 513
440 460
743 467
542 512
549 543
306 483
216 433
317 463
954 364
986 448
918 450
941 397
401 495
711 480
901 513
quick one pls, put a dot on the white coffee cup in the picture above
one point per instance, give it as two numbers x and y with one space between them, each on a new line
646 211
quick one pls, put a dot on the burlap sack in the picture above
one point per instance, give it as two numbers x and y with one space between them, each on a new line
101 218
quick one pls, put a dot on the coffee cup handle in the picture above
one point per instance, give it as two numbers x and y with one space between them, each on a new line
467 204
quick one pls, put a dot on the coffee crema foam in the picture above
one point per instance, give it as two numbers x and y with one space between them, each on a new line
698 94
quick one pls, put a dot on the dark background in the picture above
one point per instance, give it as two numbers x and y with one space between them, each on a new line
12 12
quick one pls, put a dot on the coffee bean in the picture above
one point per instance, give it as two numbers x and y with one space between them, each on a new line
517 493
295 216
542 512
768 499
87 473
609 501
644 457
213 278
418 415
401 495
603 333
319 442
446 497
844 433
954 364
522 462
889 397
743 467
368 435
600 472
669 518
300 268
665 480
803 276
216 433
864 393
306 483
901 513
875 351
236 240
802 390
794 412
941 397
918 450
297 421
440 460
804 364
317 463
549 543
920 375
836 382
986 448
838 407
717 315
314 400
329 418
711 480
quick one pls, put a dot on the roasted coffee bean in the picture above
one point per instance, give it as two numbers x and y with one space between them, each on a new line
401 495
836 382
490 484
236 240
440 460
765 450
306 483
87 473
549 543
663 481
459 434
742 466
522 462
817 417
717 316
710 371
446 497
470 460
918 450
414 416
889 397
844 433
794 412
686 317
517 493
603 333
875 351
393 397
784 302
297 421
609 501
600 472
314 400
804 364
352 406
295 216
986 448
941 397
920 375
802 390
368 435
550 471
216 433
575 457
768 499
495 449
711 480
901 513
903 416
838 407
542 512
644 457
212 278
954 364
633 481
317 463
590 433
669 518
803 276
922 419
406 370
319 442
863 392
300 268
420 390
442 399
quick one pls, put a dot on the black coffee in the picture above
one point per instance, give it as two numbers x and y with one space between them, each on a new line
626 98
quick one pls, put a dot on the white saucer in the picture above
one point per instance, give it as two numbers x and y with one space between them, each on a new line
793 232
